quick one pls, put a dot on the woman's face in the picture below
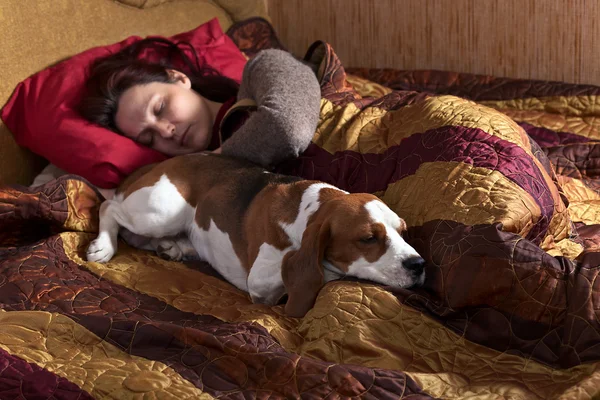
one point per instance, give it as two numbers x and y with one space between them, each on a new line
169 117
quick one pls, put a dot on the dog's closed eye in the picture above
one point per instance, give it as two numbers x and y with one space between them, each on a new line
369 239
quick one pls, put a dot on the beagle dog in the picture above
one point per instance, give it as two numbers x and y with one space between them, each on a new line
267 234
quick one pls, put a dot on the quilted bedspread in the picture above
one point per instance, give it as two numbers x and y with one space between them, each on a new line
498 182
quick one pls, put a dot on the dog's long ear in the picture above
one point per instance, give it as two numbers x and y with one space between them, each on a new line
302 271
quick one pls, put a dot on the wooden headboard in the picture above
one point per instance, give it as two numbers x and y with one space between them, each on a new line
549 39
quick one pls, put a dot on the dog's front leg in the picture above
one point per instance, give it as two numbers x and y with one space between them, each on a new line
104 246
172 248
265 285
175 248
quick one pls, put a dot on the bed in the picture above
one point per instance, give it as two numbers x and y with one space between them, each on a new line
508 309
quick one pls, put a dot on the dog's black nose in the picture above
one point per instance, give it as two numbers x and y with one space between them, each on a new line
414 264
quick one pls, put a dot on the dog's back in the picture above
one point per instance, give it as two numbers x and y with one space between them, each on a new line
194 174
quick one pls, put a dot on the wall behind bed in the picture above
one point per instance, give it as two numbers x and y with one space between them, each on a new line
549 39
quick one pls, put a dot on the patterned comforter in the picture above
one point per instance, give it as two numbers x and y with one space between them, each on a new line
498 182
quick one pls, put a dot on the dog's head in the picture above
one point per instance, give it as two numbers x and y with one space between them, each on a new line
355 235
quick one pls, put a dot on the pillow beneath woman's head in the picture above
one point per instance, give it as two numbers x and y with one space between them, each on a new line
42 112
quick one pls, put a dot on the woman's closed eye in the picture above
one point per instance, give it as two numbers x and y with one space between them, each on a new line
147 136
160 108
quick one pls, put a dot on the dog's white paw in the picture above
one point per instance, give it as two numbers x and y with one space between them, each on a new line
101 250
168 249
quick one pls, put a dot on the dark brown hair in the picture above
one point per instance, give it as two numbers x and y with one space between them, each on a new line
111 76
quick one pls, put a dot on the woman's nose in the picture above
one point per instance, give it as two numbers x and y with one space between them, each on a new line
166 129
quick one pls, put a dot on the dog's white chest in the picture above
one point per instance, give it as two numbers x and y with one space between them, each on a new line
265 284
215 247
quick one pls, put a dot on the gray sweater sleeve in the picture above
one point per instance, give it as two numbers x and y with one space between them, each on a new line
288 97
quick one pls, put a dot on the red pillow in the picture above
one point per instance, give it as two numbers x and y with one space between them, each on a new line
42 116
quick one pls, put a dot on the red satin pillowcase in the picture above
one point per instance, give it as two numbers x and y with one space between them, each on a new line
42 112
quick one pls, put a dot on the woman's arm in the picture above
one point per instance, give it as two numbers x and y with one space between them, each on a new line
288 97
